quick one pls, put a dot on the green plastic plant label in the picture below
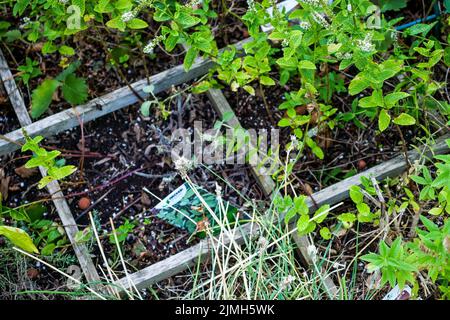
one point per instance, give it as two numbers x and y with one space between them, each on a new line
195 210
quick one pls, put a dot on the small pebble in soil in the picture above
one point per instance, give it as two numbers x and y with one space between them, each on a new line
131 238
84 203
32 273
362 164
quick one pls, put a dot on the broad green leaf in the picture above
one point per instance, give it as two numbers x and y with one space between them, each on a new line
305 64
145 108
250 90
321 213
266 81
44 182
42 97
284 122
405 119
62 172
436 211
189 59
357 85
356 195
48 249
420 28
325 233
384 120
19 238
303 222
391 99
66 51
395 5
116 23
137 24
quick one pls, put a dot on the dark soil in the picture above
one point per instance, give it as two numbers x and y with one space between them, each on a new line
8 119
229 29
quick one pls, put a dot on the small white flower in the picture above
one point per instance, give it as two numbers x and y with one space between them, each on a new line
128 16
251 5
366 45
63 1
347 55
152 44
285 43
314 3
320 19
349 7
183 165
305 25
194 3
294 142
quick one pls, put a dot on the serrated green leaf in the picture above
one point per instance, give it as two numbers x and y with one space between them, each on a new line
75 90
42 97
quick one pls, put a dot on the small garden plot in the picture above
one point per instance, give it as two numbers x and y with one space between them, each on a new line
348 84
125 152
99 53
348 149
388 217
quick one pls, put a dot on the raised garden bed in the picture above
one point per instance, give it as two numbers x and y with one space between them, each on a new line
117 159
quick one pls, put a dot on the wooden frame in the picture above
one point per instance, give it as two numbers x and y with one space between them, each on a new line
54 189
124 97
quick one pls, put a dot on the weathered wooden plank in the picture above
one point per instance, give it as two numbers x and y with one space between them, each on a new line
222 107
330 195
53 188
265 181
11 88
70 226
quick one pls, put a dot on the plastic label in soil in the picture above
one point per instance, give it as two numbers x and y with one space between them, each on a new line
196 210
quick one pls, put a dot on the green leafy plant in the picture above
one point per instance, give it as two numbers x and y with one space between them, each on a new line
56 170
19 238
394 262
122 232
431 252
74 90
437 188
297 208
29 70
